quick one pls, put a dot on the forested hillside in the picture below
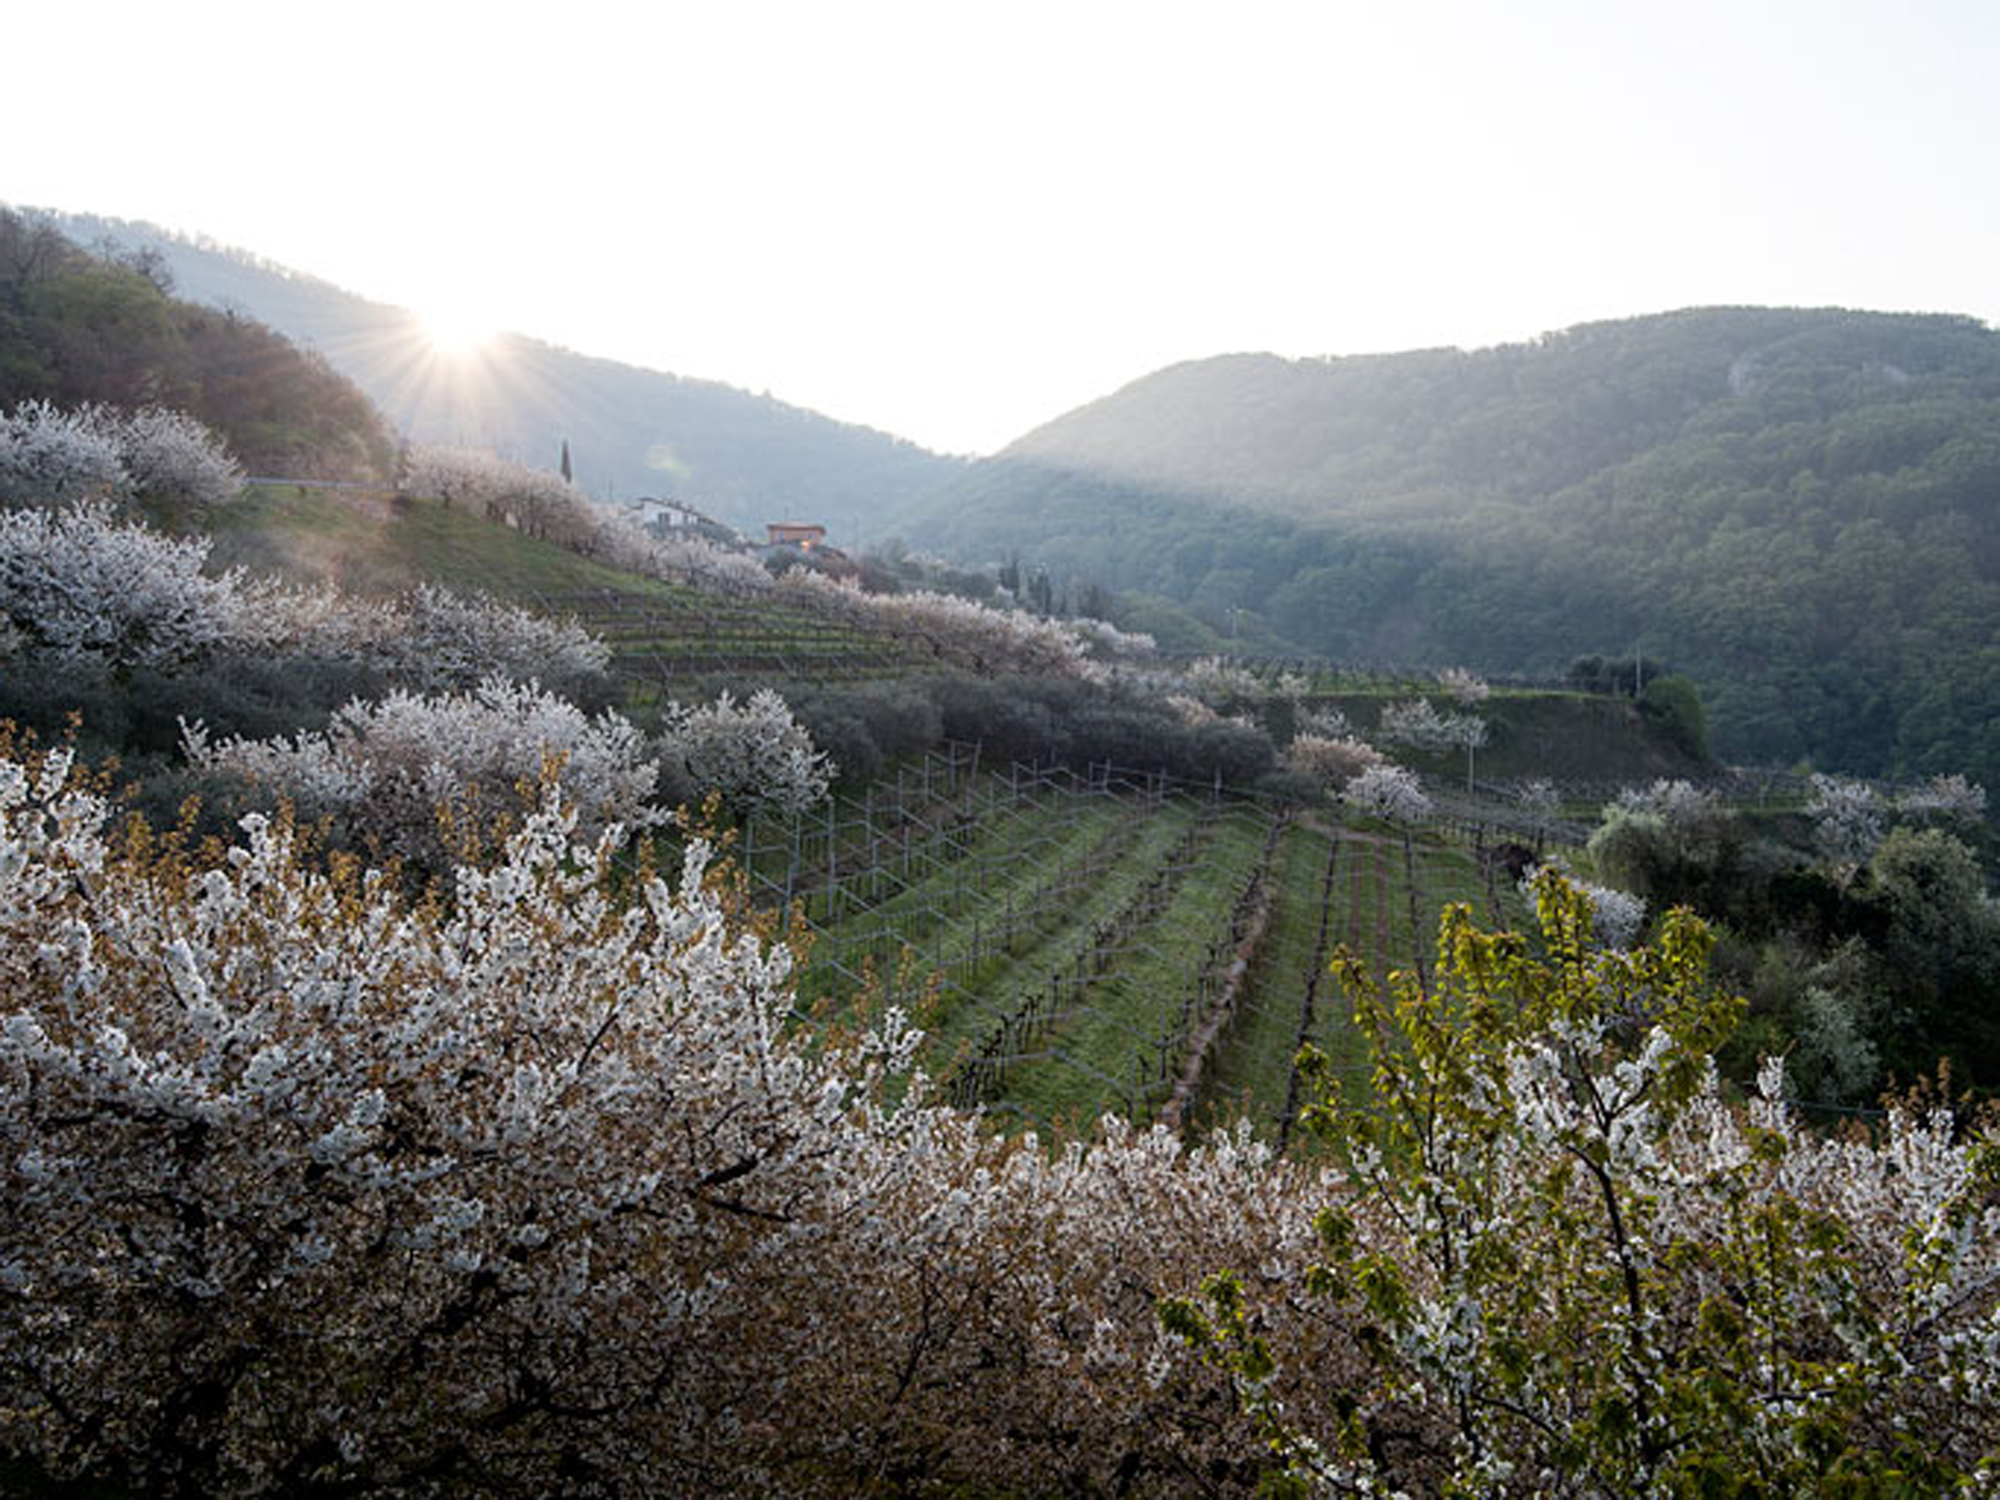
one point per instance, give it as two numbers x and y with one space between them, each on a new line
1796 508
743 458
77 328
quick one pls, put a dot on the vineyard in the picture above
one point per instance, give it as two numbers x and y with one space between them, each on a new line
1075 943
680 635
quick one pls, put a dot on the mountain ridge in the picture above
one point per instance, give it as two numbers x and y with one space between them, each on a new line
743 457
1798 507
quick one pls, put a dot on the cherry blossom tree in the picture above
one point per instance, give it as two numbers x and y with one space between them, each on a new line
539 504
172 459
541 1186
1325 720
427 776
1617 918
1599 1277
1332 763
51 457
81 585
1465 687
77 584
307 1185
1217 680
1001 639
1950 799
752 754
1539 799
1416 723
1849 819
1388 791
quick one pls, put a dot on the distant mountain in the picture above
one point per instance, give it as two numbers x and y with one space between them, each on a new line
78 328
743 458
1798 508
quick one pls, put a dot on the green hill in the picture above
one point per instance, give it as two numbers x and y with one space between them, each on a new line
77 327
743 458
1795 507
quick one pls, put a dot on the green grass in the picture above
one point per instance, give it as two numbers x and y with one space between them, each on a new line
1003 869
1119 1035
389 548
1069 866
1253 1059
1005 978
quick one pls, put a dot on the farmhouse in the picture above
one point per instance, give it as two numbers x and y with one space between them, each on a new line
804 534
668 515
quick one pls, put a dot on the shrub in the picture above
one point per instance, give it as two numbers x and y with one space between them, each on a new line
1675 704
862 726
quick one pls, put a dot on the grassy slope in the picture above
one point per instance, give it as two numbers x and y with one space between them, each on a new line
663 635
370 549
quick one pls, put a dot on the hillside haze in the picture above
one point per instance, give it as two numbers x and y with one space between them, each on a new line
743 458
1795 507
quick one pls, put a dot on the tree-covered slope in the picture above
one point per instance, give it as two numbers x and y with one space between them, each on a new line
77 327
744 458
1801 509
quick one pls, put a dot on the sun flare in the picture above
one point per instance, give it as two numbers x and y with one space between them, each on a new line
454 332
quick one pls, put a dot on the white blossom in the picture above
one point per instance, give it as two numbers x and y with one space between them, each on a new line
390 766
752 752
1416 723
1388 791
1947 798
1849 818
1464 686
51 457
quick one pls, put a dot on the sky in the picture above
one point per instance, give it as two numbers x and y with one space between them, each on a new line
954 221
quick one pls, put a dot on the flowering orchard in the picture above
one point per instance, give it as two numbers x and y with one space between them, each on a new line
50 457
79 586
308 1186
422 777
1004 640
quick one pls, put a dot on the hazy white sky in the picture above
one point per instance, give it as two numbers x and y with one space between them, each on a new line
954 221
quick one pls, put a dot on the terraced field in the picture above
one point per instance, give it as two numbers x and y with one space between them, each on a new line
674 636
666 637
1081 944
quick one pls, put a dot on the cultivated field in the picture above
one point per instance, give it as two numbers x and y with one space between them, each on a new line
1077 943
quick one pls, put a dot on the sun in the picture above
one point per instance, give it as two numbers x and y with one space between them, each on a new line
455 332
